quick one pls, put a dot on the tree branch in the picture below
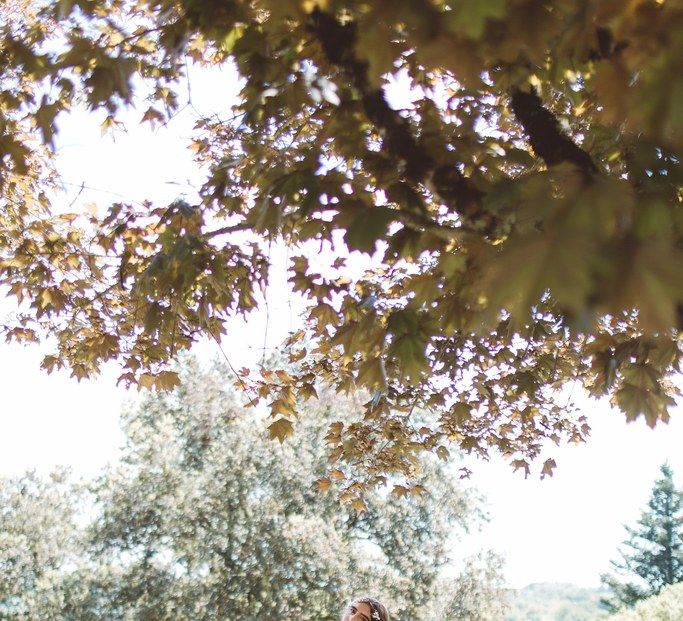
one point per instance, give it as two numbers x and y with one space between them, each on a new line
241 226
545 135
420 167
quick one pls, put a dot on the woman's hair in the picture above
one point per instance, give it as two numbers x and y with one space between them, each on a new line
379 610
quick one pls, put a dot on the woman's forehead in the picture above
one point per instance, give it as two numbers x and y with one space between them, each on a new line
364 607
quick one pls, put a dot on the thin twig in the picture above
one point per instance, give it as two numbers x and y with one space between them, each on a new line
227 360
265 298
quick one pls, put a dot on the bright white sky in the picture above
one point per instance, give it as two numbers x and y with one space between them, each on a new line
563 529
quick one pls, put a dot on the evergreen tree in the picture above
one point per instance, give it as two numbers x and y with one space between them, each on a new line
654 549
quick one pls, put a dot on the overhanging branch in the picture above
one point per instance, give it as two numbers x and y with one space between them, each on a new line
544 133
420 167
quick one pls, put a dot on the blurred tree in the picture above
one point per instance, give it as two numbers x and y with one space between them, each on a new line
205 519
40 547
477 594
654 549
239 528
522 198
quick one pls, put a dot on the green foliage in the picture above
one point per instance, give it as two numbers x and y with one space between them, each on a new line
555 602
40 544
204 518
524 209
667 606
477 594
654 550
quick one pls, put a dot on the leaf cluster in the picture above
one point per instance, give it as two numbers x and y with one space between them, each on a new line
522 205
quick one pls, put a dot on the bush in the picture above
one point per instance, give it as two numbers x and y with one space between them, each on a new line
667 606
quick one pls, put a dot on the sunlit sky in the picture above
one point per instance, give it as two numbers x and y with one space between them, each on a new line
562 529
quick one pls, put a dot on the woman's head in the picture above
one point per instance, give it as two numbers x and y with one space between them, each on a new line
366 609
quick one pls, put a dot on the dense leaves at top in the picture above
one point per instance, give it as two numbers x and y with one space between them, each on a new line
520 198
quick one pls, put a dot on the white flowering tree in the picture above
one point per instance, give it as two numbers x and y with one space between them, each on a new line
205 518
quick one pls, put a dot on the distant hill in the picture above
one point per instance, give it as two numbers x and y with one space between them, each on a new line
555 602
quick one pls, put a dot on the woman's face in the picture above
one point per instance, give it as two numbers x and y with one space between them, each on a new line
358 611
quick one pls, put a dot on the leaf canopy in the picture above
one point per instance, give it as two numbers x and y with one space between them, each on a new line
521 200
